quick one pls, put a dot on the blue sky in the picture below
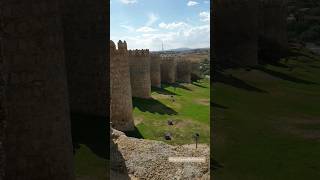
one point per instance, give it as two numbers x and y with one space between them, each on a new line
145 24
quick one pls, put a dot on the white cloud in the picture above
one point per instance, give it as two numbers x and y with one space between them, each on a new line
146 29
192 37
129 1
204 16
152 18
192 3
173 25
129 28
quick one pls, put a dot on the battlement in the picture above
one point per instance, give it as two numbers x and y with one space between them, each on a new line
122 48
139 52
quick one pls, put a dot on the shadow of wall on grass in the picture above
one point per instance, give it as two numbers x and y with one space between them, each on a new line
153 106
176 85
91 131
135 133
215 105
284 76
235 82
163 91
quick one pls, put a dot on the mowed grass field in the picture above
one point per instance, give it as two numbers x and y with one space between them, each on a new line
188 105
267 121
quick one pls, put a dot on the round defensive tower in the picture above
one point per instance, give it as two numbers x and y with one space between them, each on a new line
273 26
183 71
168 69
155 71
195 69
121 97
139 62
235 31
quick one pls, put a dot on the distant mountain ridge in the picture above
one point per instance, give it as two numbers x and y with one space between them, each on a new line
182 49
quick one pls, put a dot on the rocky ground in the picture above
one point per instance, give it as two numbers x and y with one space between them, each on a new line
133 158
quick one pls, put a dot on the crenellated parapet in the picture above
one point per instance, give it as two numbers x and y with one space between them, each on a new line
139 61
139 53
121 50
120 92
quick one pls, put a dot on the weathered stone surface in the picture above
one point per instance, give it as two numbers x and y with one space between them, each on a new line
168 70
148 159
121 98
38 138
235 32
85 43
155 71
195 69
139 61
183 71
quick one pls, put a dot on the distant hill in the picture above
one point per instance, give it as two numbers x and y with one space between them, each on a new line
182 49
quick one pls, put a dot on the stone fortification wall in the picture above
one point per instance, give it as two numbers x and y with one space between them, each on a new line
155 71
37 136
168 70
139 61
183 74
195 69
235 33
85 45
121 97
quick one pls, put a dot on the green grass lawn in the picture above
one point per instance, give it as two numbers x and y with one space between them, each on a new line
267 121
89 166
190 111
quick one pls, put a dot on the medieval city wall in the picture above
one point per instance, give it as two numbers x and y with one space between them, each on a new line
155 71
86 51
168 70
37 136
121 97
183 73
139 61
195 69
235 33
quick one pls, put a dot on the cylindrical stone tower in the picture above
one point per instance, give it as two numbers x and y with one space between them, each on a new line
168 70
183 71
235 31
139 61
155 71
37 140
195 69
273 26
121 98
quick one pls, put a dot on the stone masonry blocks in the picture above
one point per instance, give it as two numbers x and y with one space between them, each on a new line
121 97
155 71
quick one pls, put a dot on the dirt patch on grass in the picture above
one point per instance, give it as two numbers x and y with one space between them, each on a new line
161 96
180 123
205 102
137 120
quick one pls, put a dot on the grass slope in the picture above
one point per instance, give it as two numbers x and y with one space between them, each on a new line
190 111
267 121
